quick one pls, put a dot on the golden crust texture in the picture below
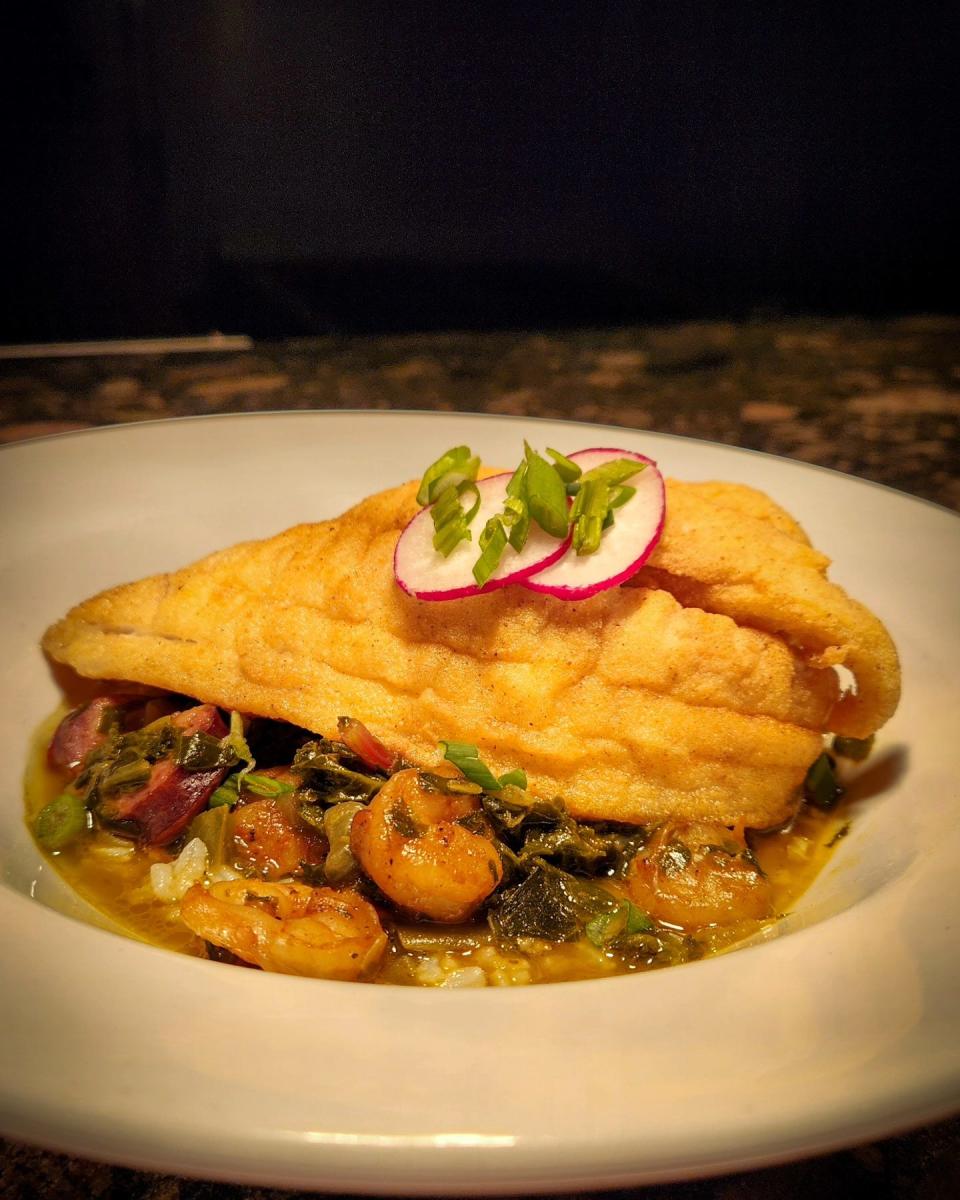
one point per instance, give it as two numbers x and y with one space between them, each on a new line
703 694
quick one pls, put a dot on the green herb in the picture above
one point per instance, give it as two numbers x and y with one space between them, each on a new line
566 468
493 542
589 514
467 759
821 787
265 785
450 469
515 517
61 821
620 496
228 793
451 522
856 749
602 490
448 785
615 472
546 494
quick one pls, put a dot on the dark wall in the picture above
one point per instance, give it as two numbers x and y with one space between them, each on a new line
287 168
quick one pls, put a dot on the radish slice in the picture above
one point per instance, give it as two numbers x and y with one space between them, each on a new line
624 548
424 573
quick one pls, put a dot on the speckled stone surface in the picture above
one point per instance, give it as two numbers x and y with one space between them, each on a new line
876 399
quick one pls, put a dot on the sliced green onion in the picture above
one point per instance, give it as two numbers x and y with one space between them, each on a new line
60 822
617 471
450 521
493 542
226 794
466 758
451 468
566 468
589 513
856 749
820 787
601 491
516 519
514 523
265 785
546 495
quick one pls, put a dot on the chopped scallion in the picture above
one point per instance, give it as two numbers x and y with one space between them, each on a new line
615 472
450 469
466 758
566 468
546 495
451 523
493 542
589 513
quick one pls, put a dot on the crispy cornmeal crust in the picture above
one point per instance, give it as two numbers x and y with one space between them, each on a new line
701 693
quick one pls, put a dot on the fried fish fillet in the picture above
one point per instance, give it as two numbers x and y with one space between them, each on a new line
702 694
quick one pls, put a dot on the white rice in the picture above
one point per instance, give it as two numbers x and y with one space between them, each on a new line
171 881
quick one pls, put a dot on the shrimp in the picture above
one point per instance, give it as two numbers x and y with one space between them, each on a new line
694 873
288 927
409 842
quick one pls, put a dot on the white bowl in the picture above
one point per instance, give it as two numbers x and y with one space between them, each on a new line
842 1029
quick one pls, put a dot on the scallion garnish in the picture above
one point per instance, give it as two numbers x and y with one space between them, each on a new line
601 490
546 494
450 521
566 468
466 758
538 490
590 510
454 467
619 470
266 785
493 542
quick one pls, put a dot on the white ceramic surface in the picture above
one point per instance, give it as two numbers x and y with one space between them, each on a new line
846 1029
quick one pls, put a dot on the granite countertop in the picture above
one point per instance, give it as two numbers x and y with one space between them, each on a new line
877 399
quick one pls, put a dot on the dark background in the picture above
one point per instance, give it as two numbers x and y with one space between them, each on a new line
277 167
